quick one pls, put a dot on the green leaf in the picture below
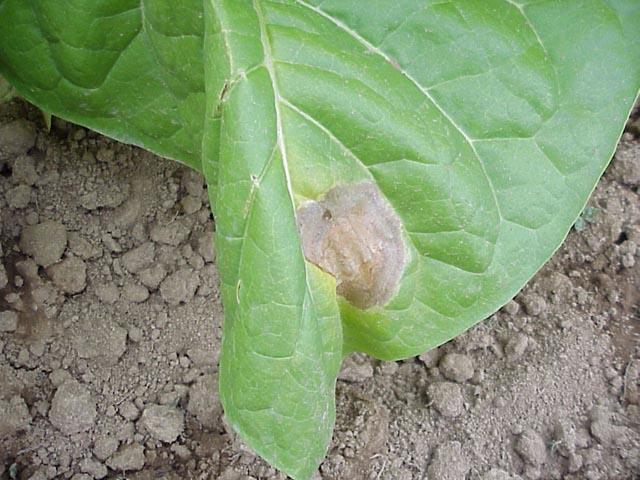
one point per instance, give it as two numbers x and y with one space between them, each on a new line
382 178
130 69
282 336
484 125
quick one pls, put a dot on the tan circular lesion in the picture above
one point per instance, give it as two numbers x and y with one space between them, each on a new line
355 235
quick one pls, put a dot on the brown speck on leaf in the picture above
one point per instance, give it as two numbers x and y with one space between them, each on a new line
355 235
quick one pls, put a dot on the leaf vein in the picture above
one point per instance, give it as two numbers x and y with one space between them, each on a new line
356 36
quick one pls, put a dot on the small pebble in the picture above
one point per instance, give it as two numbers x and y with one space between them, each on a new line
457 367
139 258
205 246
73 409
24 170
135 334
192 182
4 279
44 242
107 293
16 138
104 447
430 358
355 369
448 462
446 398
127 458
8 321
129 411
19 197
152 277
511 307
181 451
172 234
83 248
534 305
191 204
94 468
531 447
163 422
388 368
135 293
203 401
516 346
180 286
69 275
14 416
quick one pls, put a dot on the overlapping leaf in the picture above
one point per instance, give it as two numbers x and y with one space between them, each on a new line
483 125
463 113
132 69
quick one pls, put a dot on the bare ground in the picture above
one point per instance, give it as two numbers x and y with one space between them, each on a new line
110 323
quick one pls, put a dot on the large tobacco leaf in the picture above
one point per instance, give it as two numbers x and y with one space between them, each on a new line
382 177
131 69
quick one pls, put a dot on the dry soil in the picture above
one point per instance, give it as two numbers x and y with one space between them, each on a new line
110 322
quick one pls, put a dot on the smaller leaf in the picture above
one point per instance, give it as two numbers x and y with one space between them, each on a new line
47 119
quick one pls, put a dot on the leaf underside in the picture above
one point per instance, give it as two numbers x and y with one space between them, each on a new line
483 125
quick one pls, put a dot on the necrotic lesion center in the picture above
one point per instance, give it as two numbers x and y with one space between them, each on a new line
355 235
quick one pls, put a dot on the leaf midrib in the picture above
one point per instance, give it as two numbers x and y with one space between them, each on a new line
268 63
278 100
